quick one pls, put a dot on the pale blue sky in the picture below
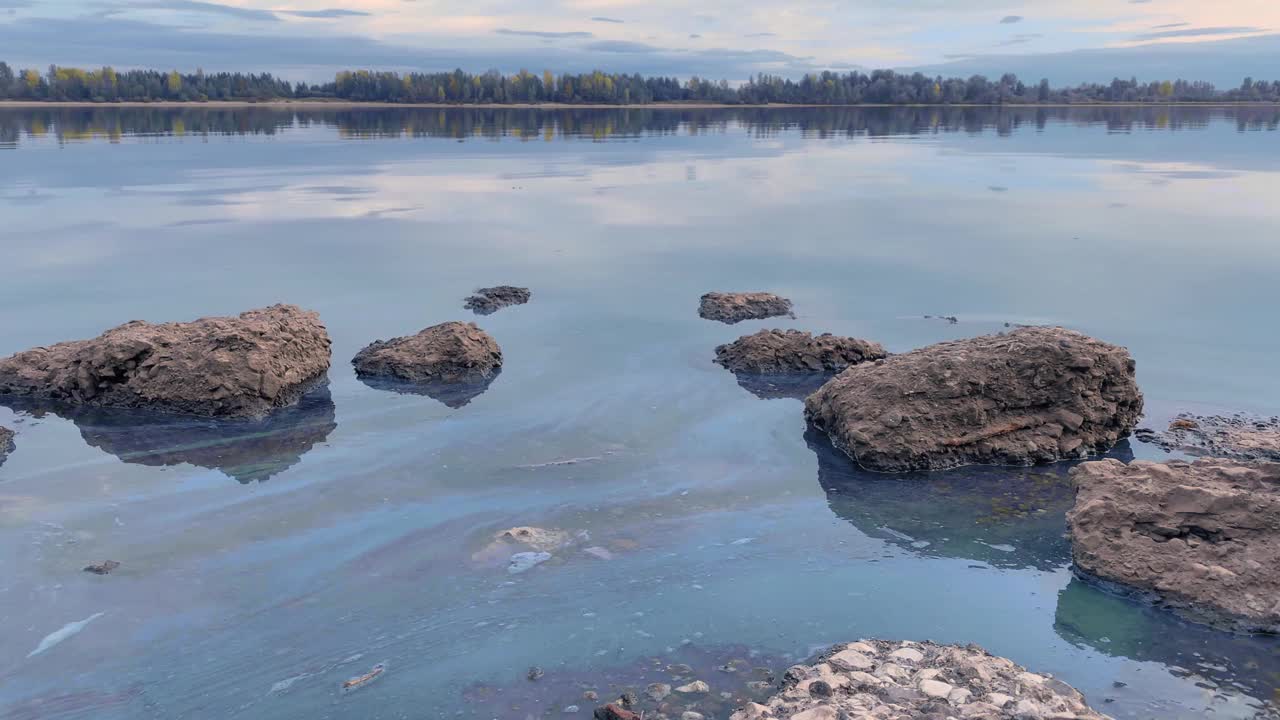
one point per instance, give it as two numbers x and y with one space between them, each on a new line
1068 40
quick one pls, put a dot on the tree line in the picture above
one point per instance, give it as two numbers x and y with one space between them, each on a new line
458 87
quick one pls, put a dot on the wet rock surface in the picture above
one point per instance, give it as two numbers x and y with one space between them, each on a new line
1033 395
6 443
487 301
780 352
906 680
248 450
451 352
243 366
731 308
1239 436
1201 538
450 394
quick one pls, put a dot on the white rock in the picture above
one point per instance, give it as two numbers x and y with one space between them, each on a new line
959 696
906 654
894 671
751 711
928 674
847 660
520 562
862 648
935 688
821 712
1027 678
693 688
690 715
999 699
1027 710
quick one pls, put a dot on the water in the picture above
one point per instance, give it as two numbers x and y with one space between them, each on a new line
265 564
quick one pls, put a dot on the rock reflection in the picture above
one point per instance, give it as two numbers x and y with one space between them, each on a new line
247 450
1007 517
454 395
1227 664
775 387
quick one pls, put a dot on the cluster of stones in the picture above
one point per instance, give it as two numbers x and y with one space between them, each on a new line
1241 437
1202 538
487 301
880 680
6 443
731 308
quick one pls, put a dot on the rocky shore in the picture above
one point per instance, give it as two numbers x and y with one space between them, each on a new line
1033 395
451 352
1202 538
881 680
1242 437
487 301
244 366
794 351
731 308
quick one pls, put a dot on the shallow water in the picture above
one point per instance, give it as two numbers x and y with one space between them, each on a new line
265 564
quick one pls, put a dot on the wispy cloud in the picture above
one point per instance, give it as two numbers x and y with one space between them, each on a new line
199 6
622 46
761 35
1020 39
695 36
545 34
327 13
1199 32
1010 19
1169 25
607 20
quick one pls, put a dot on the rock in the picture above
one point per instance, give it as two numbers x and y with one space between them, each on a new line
694 688
629 699
658 692
945 685
522 562
792 351
590 696
1029 396
1202 538
536 538
613 712
820 688
731 308
570 709
6 443
451 352
487 301
690 715
243 367
535 673
1239 436
103 568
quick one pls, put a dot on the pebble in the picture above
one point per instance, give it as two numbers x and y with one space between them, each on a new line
694 688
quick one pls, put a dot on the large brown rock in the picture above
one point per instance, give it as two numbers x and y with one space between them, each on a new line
1033 395
1202 538
244 366
451 352
884 679
733 308
793 351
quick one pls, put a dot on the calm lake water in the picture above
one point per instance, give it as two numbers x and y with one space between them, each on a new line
264 565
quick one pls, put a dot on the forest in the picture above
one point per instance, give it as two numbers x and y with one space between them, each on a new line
67 84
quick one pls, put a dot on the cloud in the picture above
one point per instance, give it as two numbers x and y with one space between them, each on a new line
544 34
1199 32
621 46
695 36
1020 39
15 4
211 8
761 35
1010 19
607 20
326 13
1169 25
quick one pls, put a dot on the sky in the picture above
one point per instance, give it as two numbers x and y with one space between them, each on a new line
1066 40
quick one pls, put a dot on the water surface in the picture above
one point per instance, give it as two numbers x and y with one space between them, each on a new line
264 564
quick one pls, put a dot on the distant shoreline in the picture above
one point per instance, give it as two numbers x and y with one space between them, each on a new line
318 104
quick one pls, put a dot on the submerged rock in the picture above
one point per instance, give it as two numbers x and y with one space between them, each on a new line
244 366
1033 395
730 308
248 450
875 678
6 443
103 568
793 351
1202 538
451 352
1239 436
487 301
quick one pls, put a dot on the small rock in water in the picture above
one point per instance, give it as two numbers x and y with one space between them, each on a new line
487 301
520 562
360 681
590 696
629 699
535 673
658 691
730 308
571 709
694 688
599 552
613 712
690 715
104 568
